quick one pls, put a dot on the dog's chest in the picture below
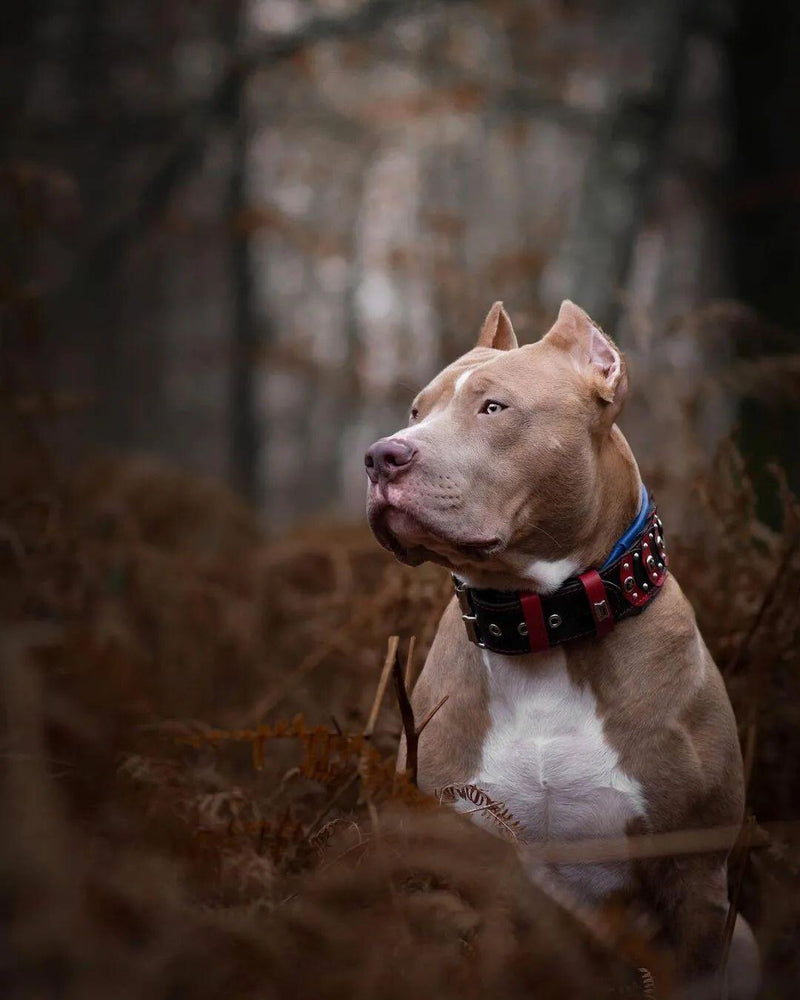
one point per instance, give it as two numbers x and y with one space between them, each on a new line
545 755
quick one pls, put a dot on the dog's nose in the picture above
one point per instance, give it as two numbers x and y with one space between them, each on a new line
387 457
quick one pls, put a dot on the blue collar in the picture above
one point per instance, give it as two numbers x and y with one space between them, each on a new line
636 528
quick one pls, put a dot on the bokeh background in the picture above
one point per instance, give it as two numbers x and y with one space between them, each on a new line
236 236
245 232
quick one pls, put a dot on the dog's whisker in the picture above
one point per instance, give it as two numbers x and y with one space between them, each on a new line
555 541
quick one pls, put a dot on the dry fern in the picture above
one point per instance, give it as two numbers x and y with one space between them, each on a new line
481 803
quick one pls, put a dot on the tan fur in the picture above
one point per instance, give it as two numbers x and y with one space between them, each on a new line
497 331
553 477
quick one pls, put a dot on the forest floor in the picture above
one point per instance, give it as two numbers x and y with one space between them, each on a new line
200 801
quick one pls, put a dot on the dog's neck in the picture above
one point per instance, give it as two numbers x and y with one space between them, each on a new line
619 490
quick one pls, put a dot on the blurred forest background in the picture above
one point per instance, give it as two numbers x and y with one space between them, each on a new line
240 234
236 236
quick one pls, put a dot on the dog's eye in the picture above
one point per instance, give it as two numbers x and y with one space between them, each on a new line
414 413
492 406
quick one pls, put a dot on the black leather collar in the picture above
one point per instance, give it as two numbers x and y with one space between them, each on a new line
516 622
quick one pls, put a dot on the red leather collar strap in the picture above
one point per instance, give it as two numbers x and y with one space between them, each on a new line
588 605
534 621
598 601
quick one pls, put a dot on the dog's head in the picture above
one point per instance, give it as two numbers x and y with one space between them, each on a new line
499 461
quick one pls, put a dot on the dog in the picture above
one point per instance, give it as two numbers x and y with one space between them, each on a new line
581 694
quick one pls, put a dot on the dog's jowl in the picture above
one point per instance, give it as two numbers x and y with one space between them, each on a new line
581 694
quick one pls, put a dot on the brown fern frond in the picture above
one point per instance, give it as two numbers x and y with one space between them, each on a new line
648 984
326 754
482 802
320 839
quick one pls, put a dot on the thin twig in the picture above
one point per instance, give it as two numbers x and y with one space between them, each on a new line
730 923
412 642
331 802
373 813
362 841
407 717
310 662
702 841
410 728
431 714
769 595
388 663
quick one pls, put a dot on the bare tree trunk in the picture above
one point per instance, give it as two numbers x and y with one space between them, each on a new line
244 436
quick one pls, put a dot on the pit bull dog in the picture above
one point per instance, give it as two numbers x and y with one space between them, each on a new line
581 694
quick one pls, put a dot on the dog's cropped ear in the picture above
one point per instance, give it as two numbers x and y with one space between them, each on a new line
593 352
497 331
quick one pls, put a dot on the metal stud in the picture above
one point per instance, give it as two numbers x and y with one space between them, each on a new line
635 555
661 565
635 596
554 621
522 628
626 565
495 630
645 586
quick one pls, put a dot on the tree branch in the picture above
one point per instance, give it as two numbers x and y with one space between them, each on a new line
103 257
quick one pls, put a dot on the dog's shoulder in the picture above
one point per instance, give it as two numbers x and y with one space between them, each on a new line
450 747
666 710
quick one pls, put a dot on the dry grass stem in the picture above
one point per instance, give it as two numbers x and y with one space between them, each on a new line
410 671
388 663
657 845
411 730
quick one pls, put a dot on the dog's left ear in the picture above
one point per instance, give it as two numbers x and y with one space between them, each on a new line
497 331
593 352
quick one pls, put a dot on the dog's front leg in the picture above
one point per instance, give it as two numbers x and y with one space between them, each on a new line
691 897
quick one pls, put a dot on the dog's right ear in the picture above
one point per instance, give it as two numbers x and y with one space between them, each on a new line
497 331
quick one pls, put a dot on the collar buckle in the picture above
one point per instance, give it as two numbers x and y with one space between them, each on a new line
471 625
468 615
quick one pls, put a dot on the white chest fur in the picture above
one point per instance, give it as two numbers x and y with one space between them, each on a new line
546 758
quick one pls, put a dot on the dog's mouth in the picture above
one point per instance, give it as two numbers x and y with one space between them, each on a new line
414 540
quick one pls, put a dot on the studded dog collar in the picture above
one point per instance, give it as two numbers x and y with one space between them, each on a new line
516 622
